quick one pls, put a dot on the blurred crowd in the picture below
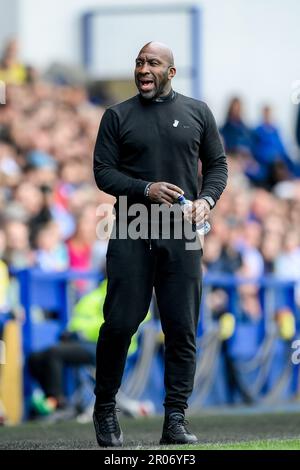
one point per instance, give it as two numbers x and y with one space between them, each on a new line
256 224
48 197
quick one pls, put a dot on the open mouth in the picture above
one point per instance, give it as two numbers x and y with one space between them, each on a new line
146 84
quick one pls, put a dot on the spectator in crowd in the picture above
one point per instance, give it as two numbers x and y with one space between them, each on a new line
238 140
4 290
270 250
248 246
81 243
218 258
18 253
29 198
74 175
9 169
262 204
4 309
11 71
83 247
52 210
4 278
2 240
236 134
269 151
288 261
51 253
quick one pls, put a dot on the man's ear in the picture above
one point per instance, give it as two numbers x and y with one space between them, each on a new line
172 72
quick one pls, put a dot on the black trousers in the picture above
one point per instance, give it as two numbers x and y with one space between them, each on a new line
47 366
134 267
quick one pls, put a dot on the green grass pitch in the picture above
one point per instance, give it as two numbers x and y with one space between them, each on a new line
215 432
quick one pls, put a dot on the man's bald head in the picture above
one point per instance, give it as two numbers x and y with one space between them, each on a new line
160 49
154 70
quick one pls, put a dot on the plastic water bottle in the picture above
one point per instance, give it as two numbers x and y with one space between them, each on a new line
202 228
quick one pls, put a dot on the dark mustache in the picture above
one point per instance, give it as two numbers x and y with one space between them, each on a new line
146 77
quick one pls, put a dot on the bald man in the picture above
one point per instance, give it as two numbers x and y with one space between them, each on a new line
147 150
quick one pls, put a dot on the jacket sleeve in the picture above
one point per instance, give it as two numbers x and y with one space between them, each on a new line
108 176
213 158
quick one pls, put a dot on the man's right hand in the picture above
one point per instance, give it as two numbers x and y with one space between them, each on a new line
164 193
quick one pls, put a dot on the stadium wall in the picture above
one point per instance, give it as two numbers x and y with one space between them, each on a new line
9 14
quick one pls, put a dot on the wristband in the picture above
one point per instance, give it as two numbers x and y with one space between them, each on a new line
209 200
147 189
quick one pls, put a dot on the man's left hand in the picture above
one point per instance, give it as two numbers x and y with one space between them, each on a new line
201 211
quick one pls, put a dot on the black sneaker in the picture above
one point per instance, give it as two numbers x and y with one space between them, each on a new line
175 431
108 431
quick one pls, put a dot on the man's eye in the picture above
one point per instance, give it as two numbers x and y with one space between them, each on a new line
153 63
139 63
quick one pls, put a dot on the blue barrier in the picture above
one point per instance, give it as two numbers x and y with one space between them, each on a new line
51 292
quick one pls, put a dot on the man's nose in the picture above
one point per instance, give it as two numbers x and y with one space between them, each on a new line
144 68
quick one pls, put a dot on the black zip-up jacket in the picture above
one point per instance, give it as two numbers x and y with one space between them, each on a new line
141 141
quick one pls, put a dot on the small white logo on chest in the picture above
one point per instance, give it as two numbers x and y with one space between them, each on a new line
175 123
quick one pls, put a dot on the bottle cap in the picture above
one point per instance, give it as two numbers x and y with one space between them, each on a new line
181 199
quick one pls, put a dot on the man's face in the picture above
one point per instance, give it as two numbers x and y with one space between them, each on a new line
153 75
